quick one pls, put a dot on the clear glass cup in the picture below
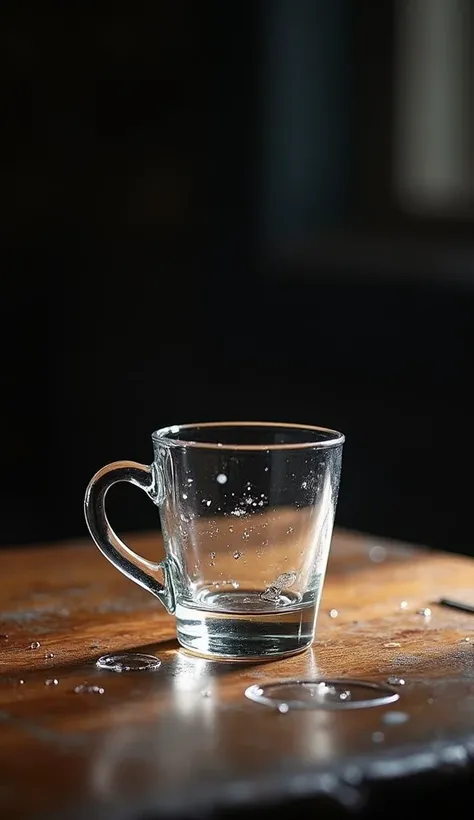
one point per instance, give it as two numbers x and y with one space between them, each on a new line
247 512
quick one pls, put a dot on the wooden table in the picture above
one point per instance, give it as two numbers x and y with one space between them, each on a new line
185 741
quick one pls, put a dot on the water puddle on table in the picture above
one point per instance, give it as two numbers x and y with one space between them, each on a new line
322 694
129 662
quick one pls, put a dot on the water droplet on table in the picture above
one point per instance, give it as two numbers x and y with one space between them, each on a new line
35 645
283 708
394 680
378 554
48 655
322 694
129 662
51 682
334 613
21 682
395 718
426 612
3 636
403 605
237 555
392 645
221 478
86 689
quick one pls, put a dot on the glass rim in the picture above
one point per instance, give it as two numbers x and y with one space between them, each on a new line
164 435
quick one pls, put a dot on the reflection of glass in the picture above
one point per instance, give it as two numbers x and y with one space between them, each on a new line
247 511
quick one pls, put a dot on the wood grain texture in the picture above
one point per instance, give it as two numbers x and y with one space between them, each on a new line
185 738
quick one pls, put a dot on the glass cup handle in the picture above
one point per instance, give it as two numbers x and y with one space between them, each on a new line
153 577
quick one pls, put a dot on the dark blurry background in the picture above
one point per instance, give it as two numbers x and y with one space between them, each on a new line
239 210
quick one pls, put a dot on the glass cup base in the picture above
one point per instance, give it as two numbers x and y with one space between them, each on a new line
249 635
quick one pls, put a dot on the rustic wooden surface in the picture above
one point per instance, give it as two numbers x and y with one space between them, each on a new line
185 738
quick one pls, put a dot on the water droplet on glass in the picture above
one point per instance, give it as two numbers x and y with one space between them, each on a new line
237 554
190 480
394 680
391 645
273 591
231 529
212 554
209 502
86 689
403 605
35 645
129 662
283 708
425 612
323 694
221 478
378 737
304 484
378 554
245 535
235 584
185 495
333 613
266 470
212 563
270 593
290 529
51 682
286 579
21 681
395 718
